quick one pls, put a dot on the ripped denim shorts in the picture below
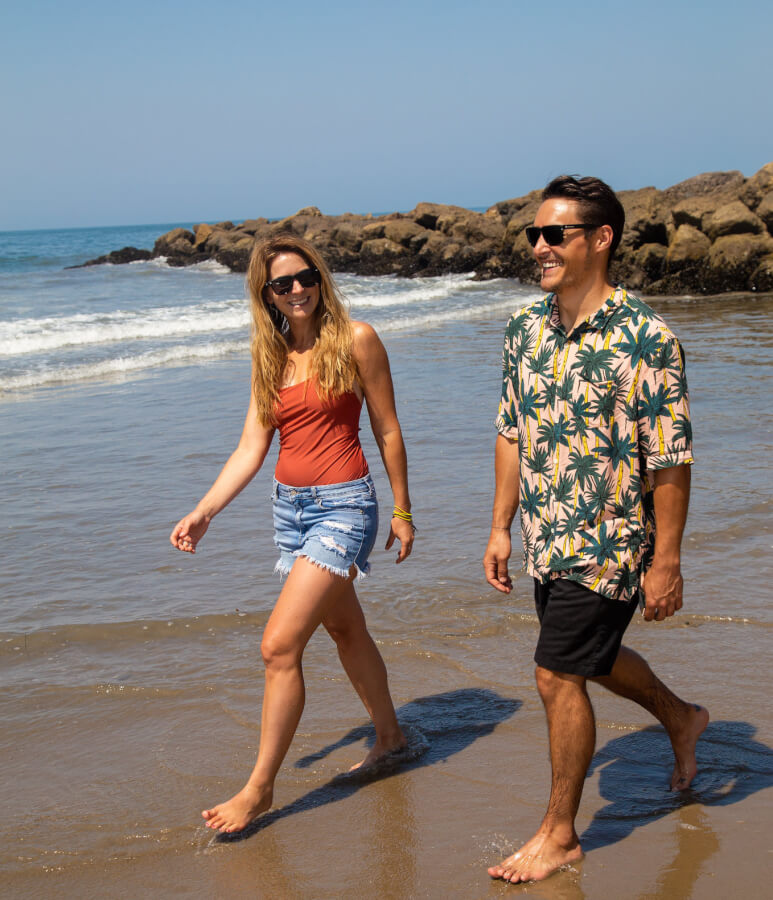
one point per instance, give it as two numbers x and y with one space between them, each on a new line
333 525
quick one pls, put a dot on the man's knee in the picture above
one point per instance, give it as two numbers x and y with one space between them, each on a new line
552 684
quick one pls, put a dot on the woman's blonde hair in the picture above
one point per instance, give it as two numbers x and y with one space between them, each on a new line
332 363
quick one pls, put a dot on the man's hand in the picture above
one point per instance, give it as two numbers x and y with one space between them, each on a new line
495 560
662 589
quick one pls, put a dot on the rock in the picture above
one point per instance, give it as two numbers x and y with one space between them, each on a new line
689 247
694 211
756 187
646 218
117 257
201 233
651 259
762 277
176 241
402 231
733 259
427 214
706 183
706 234
765 211
380 256
733 218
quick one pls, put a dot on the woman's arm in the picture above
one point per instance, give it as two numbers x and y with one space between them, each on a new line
242 466
376 381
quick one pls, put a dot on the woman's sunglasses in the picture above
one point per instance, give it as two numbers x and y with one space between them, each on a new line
284 284
553 234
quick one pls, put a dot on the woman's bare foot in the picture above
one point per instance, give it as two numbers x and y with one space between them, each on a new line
538 858
683 744
381 751
239 811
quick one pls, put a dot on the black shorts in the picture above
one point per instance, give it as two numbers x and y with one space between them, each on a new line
580 631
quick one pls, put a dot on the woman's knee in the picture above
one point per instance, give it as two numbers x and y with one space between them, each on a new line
279 651
347 632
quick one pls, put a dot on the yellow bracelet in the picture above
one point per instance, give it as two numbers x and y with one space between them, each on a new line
399 513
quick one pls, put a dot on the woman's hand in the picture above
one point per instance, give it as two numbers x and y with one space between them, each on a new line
189 531
404 533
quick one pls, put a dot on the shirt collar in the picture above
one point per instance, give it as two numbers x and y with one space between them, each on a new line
594 322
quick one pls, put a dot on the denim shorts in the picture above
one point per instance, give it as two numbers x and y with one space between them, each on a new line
333 525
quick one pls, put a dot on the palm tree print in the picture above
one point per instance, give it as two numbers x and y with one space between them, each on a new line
594 412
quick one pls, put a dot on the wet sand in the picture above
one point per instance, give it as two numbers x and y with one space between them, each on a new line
132 694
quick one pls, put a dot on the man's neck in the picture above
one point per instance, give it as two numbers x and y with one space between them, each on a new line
574 306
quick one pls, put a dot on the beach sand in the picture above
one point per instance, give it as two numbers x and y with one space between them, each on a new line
132 677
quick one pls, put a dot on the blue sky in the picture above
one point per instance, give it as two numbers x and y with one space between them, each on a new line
170 111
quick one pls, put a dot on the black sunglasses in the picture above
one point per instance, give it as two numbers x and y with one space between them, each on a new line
284 284
553 234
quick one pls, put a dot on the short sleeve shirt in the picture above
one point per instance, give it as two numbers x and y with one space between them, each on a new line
594 413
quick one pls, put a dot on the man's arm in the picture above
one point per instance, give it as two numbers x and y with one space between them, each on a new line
662 582
507 472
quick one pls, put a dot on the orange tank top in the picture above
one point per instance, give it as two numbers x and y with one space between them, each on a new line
318 440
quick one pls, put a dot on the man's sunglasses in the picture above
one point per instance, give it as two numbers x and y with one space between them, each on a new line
284 284
553 234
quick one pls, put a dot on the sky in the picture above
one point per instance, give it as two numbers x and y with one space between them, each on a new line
164 111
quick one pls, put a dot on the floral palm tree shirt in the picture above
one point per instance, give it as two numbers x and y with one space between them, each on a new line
594 413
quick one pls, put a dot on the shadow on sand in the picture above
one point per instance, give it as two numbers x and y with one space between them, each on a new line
437 727
635 768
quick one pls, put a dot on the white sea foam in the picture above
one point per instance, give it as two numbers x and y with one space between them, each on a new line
426 290
44 335
504 306
122 365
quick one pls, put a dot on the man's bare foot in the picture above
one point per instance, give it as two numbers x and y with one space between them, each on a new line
538 858
380 752
239 811
683 744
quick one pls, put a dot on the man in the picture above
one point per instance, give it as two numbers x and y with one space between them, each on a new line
594 444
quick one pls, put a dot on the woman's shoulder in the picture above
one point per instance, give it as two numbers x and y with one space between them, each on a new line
364 337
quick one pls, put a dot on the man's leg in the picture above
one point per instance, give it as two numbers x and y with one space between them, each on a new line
632 678
572 732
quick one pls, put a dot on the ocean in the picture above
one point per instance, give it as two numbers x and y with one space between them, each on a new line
131 673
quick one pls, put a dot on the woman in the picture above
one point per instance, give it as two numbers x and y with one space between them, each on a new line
311 369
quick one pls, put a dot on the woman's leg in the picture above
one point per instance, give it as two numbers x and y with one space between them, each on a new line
363 664
306 599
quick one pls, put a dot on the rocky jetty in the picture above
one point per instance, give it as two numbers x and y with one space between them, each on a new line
709 234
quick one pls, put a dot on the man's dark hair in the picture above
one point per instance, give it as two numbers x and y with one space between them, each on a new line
596 199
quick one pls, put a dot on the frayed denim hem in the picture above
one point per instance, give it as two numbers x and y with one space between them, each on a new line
283 571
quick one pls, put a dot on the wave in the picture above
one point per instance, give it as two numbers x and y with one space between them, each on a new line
43 335
435 319
122 365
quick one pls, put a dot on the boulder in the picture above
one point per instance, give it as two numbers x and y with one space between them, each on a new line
756 187
733 259
689 247
695 211
201 233
403 231
762 277
177 242
765 211
117 257
733 218
706 183
380 256
651 259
